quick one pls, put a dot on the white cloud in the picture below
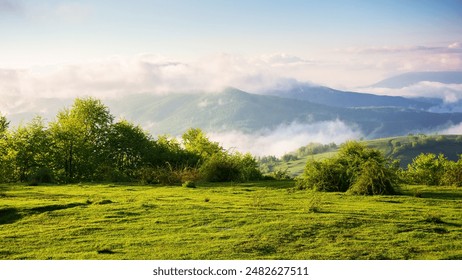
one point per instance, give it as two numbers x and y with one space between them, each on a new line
286 138
455 45
454 129
144 73
449 93
155 74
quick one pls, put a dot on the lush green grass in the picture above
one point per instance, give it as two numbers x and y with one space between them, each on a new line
264 220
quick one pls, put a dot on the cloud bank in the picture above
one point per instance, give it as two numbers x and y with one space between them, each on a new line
453 129
150 73
144 74
449 93
286 138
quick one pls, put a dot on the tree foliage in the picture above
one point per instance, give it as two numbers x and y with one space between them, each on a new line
84 143
433 170
426 169
80 136
356 168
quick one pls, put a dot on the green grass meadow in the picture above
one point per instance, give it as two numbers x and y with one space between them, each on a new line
262 220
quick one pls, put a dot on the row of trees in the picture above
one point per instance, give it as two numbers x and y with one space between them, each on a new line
359 169
84 143
430 169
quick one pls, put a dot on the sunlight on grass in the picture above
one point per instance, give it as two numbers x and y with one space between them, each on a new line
264 220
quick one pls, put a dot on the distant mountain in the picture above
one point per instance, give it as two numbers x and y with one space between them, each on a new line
407 79
346 99
236 110
233 109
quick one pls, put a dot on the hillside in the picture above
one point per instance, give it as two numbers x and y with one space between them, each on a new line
235 110
403 148
263 220
347 99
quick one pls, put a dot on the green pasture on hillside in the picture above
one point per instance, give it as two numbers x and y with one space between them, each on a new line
263 220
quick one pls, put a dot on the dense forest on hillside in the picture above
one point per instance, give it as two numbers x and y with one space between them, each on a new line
84 143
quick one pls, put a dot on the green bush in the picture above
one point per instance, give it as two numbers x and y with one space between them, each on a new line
220 168
168 175
189 184
41 175
224 167
328 175
374 179
426 169
453 173
356 168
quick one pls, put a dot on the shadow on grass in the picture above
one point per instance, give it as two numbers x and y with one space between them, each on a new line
48 208
269 184
442 195
434 193
9 216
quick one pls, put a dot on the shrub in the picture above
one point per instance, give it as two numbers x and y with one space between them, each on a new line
328 175
189 184
223 167
220 168
315 203
356 168
374 179
452 175
41 175
280 174
168 175
426 169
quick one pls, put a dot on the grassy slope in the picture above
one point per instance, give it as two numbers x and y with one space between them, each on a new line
228 221
404 148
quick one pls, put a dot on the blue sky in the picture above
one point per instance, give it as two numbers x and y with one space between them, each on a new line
358 41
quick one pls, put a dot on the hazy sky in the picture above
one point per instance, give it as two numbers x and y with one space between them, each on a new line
334 42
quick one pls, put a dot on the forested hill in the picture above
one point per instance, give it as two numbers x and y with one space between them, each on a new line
403 148
237 110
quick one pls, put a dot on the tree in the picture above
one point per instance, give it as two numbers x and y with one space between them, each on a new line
129 149
453 173
31 147
195 141
80 136
6 154
4 123
426 169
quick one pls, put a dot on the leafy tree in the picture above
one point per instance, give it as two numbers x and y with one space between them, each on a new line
31 147
453 173
4 123
426 169
129 149
169 150
80 135
195 141
7 167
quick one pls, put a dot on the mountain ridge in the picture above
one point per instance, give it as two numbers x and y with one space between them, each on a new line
410 78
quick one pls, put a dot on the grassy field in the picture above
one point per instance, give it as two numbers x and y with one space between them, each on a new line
264 220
